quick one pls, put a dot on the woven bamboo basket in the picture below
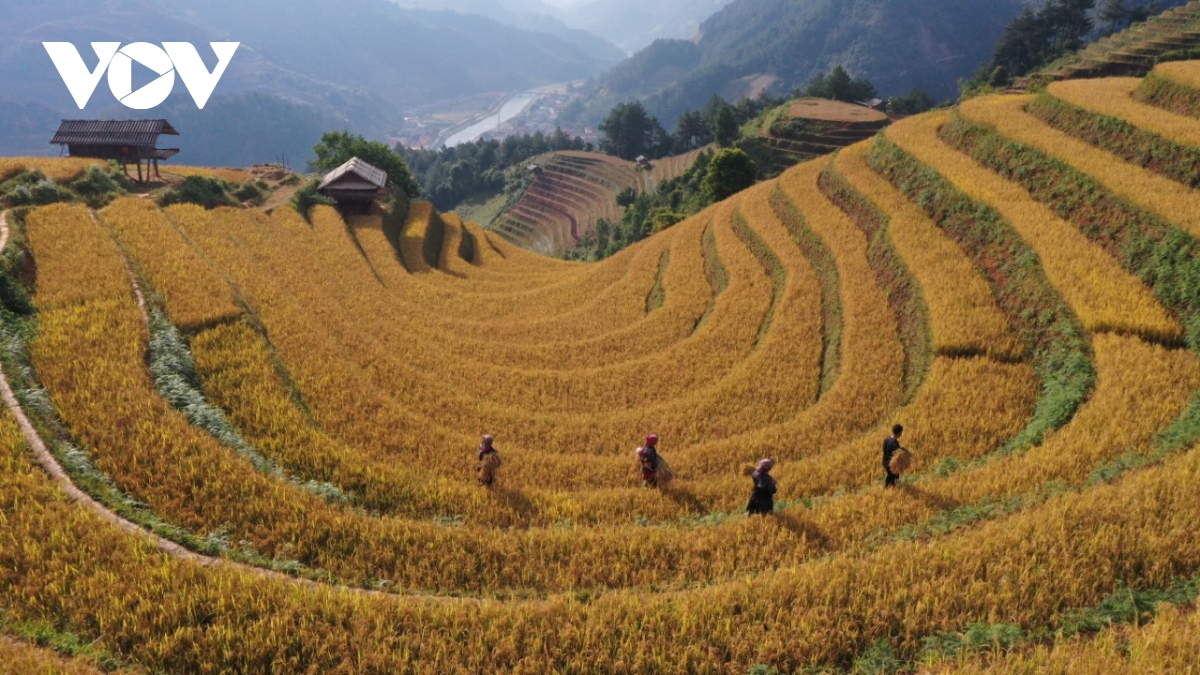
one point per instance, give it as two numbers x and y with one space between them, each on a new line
665 474
901 460
488 467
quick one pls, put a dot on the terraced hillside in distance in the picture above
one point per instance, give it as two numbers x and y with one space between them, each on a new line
1168 36
239 441
570 191
807 128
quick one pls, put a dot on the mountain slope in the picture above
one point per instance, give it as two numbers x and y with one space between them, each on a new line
359 62
533 16
778 45
634 24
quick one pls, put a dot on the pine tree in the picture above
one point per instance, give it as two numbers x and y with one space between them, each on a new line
1114 12
630 131
1024 44
725 127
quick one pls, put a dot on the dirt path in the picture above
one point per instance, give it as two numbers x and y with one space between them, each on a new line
60 478
281 195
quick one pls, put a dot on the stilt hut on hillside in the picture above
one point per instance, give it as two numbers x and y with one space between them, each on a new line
355 185
124 141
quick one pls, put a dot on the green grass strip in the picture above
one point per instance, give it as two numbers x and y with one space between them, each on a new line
772 266
658 293
1169 95
1042 319
1136 146
903 293
821 258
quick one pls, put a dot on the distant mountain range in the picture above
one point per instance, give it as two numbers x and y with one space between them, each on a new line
628 24
777 45
529 15
634 24
356 64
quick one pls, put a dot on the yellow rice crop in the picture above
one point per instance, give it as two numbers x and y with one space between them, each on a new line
1186 73
1113 96
963 314
194 294
1166 645
1016 571
1160 195
57 232
351 370
59 170
231 175
23 657
1104 296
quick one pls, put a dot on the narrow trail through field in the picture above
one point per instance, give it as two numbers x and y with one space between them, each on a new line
63 481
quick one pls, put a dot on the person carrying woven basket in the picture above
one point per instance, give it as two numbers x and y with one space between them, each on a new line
762 498
891 446
648 459
489 461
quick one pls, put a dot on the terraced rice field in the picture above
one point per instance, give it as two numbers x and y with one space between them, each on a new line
811 127
571 191
276 419
1133 51
58 170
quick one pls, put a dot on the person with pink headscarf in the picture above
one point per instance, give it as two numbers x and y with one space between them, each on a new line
647 456
762 499
489 461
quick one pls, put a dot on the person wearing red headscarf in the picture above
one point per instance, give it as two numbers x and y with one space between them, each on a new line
648 459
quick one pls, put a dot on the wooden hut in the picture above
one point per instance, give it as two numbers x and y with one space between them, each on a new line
355 185
875 104
125 141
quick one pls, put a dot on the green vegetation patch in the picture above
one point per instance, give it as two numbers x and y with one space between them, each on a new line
658 293
211 192
1168 95
825 267
96 187
1162 256
1043 321
714 271
1136 146
903 292
772 266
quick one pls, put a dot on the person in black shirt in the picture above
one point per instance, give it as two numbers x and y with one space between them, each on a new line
890 445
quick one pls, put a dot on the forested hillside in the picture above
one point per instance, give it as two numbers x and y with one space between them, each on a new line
778 45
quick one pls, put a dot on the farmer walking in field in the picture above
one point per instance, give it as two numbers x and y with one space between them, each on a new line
891 445
655 470
762 498
489 461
